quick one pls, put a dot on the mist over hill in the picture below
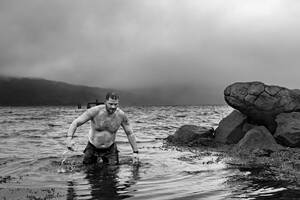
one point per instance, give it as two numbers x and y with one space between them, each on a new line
38 92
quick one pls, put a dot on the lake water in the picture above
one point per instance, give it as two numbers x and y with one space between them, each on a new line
32 148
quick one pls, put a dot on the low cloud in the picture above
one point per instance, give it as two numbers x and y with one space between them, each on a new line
144 44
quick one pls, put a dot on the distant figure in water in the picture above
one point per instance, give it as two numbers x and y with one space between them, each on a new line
105 121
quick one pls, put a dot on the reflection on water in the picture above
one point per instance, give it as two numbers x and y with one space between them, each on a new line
32 146
104 182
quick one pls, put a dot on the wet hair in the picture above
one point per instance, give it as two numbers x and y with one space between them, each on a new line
112 95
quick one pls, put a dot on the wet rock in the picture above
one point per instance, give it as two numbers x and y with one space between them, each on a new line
247 127
230 129
192 135
260 102
258 141
288 129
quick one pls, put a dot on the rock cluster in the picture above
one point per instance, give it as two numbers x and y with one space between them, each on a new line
262 103
264 118
273 107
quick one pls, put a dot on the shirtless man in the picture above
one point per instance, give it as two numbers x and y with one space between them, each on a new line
105 122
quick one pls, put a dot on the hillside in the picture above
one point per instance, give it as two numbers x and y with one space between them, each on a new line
36 92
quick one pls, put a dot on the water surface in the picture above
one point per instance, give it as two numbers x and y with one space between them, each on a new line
32 148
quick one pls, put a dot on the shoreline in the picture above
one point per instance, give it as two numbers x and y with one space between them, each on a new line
279 166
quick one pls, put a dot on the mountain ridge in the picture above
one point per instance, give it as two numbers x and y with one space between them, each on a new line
22 91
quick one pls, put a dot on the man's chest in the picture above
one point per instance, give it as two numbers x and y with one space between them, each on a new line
109 123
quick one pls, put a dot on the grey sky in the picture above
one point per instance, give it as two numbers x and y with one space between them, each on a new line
145 43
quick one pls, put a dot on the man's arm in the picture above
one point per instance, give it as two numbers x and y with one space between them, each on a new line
76 123
130 135
86 116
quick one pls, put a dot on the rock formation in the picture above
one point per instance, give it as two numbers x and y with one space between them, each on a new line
261 103
230 128
288 129
277 108
262 113
258 138
192 135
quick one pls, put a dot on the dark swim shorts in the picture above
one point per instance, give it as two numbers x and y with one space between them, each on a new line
109 155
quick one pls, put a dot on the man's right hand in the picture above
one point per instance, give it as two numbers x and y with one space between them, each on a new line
70 144
135 157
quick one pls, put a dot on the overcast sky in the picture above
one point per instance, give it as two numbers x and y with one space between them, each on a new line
146 43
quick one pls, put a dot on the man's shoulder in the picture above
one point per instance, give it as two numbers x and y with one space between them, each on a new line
99 107
121 112
122 115
95 109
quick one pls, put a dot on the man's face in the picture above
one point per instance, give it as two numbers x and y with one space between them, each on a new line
111 105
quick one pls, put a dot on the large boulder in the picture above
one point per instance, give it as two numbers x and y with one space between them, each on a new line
258 139
288 129
192 135
230 129
260 102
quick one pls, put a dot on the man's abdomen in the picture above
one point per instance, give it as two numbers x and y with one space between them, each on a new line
102 139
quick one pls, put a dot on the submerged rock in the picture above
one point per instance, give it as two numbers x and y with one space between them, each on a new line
261 103
230 129
288 129
259 141
192 135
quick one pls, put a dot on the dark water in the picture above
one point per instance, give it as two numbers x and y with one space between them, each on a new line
32 148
